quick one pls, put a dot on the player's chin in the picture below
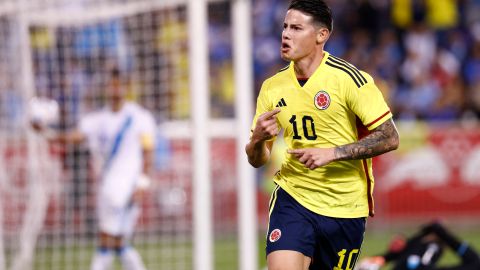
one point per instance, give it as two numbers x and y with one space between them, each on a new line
286 55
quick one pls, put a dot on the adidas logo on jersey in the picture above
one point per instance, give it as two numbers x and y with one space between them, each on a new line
281 103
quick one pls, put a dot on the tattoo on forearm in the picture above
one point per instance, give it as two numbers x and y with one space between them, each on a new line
382 139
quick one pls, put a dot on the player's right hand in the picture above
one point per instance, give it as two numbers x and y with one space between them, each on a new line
37 126
266 127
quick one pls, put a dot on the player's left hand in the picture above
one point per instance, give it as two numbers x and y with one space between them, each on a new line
370 263
141 187
138 196
313 158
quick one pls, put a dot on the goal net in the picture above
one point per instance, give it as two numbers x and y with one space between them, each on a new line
60 50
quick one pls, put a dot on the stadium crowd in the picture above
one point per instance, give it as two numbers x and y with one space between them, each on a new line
424 54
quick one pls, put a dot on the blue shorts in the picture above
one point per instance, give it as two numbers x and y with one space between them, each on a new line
330 242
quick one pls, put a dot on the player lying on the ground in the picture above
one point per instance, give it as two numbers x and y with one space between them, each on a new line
423 250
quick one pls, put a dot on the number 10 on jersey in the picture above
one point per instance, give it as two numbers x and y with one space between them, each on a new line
350 261
308 127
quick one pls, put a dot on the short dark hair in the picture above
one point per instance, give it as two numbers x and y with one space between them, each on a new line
318 9
115 73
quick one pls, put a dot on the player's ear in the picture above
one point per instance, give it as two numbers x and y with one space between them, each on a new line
322 35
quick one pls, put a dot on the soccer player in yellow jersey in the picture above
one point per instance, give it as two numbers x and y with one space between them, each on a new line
334 120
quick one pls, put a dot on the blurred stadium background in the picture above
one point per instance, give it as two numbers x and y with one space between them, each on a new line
424 55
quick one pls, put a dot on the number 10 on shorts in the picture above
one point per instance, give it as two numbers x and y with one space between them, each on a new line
350 261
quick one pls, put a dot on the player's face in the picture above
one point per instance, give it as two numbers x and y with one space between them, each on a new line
299 36
115 90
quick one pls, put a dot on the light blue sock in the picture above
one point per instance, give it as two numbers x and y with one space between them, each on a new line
130 259
102 259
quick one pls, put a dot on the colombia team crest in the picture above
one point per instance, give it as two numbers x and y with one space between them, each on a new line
322 100
275 235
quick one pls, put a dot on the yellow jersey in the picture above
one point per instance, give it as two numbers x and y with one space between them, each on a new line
336 106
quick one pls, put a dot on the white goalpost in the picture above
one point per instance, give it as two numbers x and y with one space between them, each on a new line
199 83
242 41
201 211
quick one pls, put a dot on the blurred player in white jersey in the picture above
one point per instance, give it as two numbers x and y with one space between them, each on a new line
121 140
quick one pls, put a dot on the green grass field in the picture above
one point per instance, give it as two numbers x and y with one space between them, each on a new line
376 242
179 255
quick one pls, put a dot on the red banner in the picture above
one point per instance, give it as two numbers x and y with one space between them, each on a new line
434 174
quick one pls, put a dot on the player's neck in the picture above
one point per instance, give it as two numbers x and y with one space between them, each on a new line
305 67
116 106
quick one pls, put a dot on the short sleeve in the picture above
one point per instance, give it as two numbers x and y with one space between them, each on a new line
263 104
367 103
147 130
89 124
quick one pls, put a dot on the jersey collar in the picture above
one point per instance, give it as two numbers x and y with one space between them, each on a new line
292 70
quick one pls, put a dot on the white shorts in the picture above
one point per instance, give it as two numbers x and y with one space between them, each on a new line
117 221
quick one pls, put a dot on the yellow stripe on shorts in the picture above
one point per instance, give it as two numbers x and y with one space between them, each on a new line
273 199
